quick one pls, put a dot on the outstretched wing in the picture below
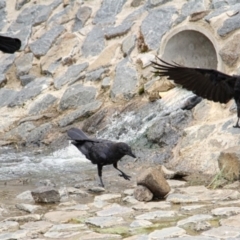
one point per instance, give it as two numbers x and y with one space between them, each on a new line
207 83
9 45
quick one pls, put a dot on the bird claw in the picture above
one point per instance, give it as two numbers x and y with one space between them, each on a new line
236 126
125 176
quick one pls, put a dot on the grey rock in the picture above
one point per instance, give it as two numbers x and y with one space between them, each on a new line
140 223
25 196
108 11
155 3
167 232
30 91
232 221
106 83
147 206
19 234
122 88
94 42
27 207
104 222
112 32
38 134
76 96
156 215
82 16
20 4
223 3
97 74
6 96
193 6
156 24
26 79
114 209
9 226
128 45
24 64
6 62
38 227
82 112
194 219
143 194
3 80
181 198
229 25
42 104
21 131
226 211
43 12
41 46
45 195
107 197
25 218
72 74
137 3
227 232
3 15
230 51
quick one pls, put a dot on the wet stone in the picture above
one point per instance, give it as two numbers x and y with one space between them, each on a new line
156 215
38 226
181 198
114 209
223 232
167 232
233 221
63 216
104 222
140 223
194 219
226 211
27 207
45 195
9 226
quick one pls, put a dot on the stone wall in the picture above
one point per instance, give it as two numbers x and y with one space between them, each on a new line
81 57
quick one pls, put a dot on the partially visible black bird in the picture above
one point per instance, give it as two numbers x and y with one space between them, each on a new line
100 151
9 45
206 83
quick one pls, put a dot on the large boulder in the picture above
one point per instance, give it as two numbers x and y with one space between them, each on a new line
153 179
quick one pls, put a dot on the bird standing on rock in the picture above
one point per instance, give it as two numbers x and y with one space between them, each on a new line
100 151
206 83
9 45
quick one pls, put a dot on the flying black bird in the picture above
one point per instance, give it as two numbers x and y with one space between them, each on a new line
100 151
206 83
9 45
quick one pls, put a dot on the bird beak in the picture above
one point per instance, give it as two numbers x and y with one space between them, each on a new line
131 154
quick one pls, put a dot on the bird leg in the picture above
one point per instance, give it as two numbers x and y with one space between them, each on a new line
100 175
124 175
237 124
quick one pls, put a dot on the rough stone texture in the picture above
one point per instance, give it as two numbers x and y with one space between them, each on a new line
231 221
167 232
153 179
39 226
128 45
30 91
41 46
156 215
42 104
229 163
127 89
143 194
155 25
94 42
97 74
7 96
229 25
112 32
104 222
106 83
63 216
108 11
219 232
7 62
24 64
114 209
230 51
82 16
82 112
9 226
76 96
72 74
26 79
45 195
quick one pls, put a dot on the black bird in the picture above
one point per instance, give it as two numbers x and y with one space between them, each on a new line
9 45
100 151
206 83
